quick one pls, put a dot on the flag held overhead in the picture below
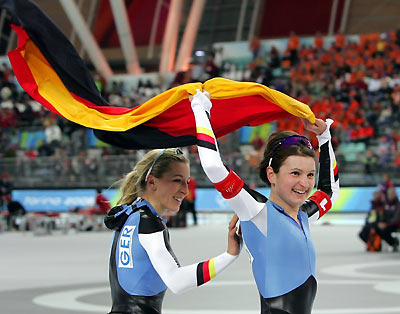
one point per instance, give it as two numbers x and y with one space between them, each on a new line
50 70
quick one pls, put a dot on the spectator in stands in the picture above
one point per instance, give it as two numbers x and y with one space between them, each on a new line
370 162
94 215
255 47
52 132
340 40
99 81
6 98
45 150
6 187
293 46
386 184
142 264
211 68
274 58
102 204
318 41
78 141
196 72
15 212
384 150
218 54
374 83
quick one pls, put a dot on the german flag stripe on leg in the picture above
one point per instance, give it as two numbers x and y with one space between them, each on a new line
205 271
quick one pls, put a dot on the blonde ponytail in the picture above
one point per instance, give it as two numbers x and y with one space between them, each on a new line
158 162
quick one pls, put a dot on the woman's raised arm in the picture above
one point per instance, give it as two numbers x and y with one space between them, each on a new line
225 180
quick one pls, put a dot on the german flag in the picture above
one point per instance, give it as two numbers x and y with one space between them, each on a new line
50 70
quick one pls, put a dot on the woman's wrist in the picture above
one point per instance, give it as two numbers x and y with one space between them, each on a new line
326 135
231 255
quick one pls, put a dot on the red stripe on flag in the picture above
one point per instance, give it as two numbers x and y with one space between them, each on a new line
249 110
206 272
103 109
206 138
22 35
22 71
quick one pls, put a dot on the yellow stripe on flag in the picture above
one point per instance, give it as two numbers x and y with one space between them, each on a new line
221 88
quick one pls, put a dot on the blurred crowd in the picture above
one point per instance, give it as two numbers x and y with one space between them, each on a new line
356 83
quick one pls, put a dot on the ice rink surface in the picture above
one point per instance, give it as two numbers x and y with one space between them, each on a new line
68 273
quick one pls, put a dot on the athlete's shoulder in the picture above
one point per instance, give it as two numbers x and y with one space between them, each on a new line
118 216
149 223
256 195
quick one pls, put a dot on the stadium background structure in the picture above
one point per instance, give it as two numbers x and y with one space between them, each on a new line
79 160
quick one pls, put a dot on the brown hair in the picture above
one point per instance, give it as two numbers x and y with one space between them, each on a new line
279 154
134 183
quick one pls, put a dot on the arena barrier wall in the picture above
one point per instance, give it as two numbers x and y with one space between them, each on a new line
352 199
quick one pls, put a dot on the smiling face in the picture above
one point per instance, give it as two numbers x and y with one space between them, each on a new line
167 193
293 183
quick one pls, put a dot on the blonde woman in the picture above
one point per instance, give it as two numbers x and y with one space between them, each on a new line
142 263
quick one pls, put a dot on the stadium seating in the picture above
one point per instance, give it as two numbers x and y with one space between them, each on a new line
360 91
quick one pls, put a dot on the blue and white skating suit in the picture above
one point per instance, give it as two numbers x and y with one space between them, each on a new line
143 265
282 252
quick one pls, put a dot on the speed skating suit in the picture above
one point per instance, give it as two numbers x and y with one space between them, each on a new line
142 263
282 253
